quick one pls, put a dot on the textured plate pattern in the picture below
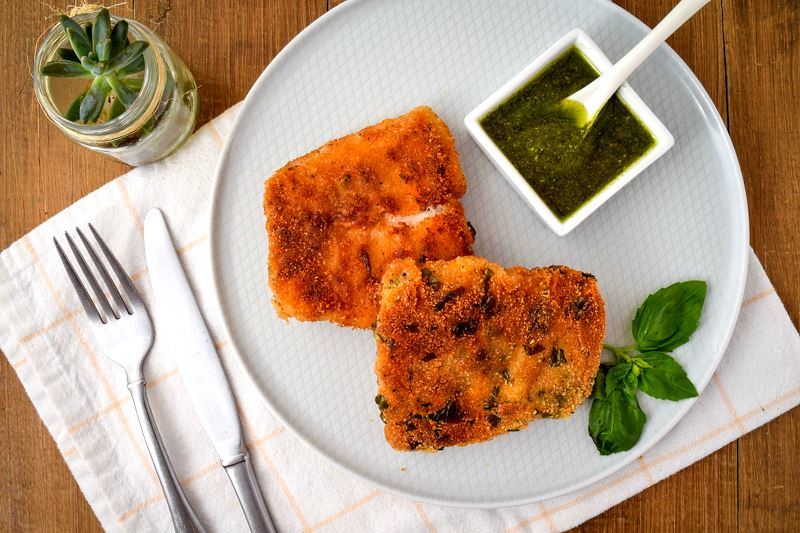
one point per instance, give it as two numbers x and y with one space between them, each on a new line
685 217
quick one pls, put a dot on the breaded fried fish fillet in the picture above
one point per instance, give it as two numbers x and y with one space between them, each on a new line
339 215
468 350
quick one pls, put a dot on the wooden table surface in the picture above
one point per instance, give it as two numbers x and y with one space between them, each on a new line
747 55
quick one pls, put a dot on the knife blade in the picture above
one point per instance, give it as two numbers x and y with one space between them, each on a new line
200 367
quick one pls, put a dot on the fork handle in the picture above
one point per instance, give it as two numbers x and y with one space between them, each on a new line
183 517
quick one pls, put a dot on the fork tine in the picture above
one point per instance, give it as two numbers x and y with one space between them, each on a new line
122 276
83 295
112 288
89 275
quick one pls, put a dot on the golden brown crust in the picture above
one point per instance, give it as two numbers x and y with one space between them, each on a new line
332 216
468 350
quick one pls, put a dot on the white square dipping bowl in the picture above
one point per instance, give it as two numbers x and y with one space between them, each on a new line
598 59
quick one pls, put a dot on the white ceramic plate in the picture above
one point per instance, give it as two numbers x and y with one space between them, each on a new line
685 217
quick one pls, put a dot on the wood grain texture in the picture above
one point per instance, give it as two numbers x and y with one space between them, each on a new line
745 53
762 44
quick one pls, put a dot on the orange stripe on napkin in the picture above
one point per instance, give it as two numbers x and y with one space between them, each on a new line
726 399
191 244
215 134
284 488
127 201
424 516
757 297
344 512
52 325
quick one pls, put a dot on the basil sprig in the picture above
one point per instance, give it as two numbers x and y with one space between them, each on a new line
665 320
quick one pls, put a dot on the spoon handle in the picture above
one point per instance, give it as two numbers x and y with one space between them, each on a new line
682 12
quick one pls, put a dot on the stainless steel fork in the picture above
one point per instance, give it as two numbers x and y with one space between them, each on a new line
124 332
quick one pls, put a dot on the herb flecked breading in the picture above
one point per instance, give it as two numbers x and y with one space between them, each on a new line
483 350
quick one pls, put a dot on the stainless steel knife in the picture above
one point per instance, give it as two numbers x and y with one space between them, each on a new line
200 368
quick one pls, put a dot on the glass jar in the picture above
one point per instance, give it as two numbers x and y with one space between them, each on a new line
161 117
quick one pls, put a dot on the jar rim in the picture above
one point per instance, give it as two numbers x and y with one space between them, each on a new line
129 120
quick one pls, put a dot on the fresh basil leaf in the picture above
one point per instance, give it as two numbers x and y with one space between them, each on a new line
666 379
599 390
616 423
93 102
621 377
668 317
119 37
77 37
65 69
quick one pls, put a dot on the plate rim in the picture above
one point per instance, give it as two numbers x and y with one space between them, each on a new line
642 446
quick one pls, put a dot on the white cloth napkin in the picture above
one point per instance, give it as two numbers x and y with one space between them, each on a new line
82 398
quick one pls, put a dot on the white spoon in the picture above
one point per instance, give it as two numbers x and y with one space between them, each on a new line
585 104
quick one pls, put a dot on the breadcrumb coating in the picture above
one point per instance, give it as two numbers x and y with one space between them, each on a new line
339 215
468 350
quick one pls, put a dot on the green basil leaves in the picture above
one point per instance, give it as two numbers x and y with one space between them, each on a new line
666 380
668 317
616 422
622 377
665 320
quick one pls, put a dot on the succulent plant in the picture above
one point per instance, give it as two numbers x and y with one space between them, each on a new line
103 54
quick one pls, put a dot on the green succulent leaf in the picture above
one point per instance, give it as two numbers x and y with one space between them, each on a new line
668 317
68 54
128 55
65 69
103 50
117 108
123 92
92 66
93 102
80 45
100 50
73 111
136 66
134 84
616 422
101 32
665 379
77 36
119 37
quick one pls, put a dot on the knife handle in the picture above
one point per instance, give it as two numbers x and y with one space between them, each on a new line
245 484
184 519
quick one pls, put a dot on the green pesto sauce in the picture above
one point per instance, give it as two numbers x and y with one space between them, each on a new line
565 165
